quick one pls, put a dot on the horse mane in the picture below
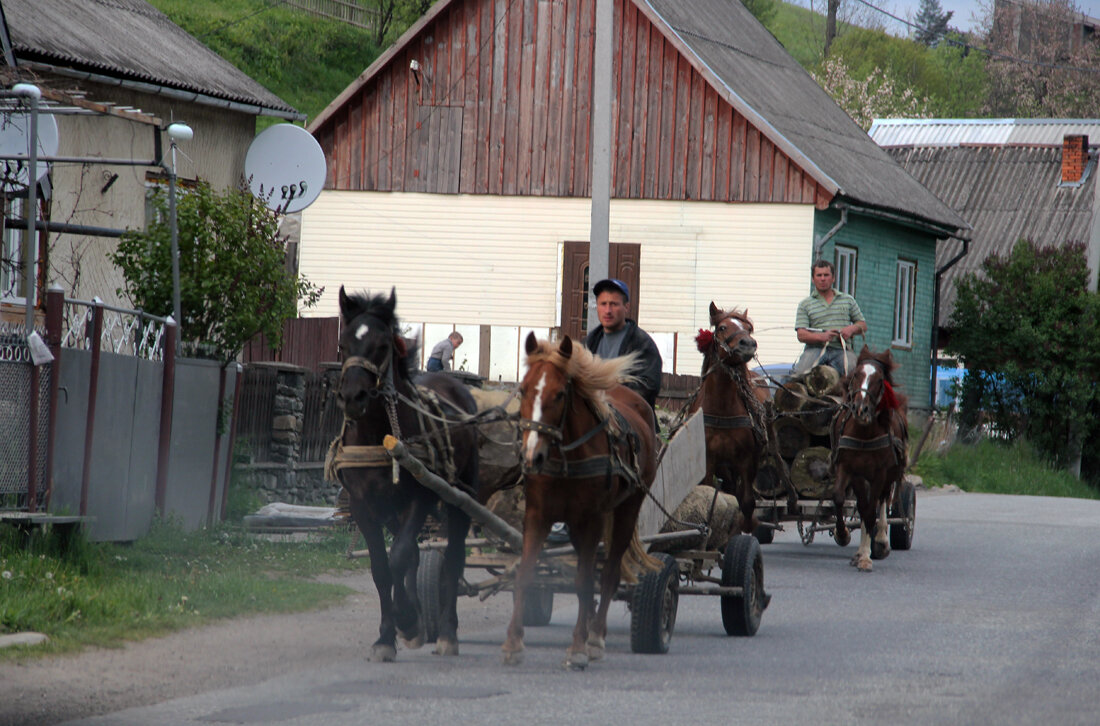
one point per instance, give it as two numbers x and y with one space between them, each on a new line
379 306
592 376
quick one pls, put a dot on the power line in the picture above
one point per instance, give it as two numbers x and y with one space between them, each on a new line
230 23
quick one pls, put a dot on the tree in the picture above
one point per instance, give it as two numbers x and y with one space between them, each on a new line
1028 330
931 22
878 95
1042 66
233 279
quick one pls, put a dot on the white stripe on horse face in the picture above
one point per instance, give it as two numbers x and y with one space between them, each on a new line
536 415
735 321
868 371
361 331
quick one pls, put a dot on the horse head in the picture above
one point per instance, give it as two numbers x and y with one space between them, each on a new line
544 394
732 335
374 356
870 386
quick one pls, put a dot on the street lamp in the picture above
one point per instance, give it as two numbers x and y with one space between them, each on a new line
32 93
177 132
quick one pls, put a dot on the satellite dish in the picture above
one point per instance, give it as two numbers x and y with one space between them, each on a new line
285 168
15 131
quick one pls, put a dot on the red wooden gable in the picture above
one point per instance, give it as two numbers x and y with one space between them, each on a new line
499 103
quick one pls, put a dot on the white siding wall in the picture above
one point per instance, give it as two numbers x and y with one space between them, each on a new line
479 260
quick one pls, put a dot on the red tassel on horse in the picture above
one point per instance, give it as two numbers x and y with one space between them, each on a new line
889 399
703 340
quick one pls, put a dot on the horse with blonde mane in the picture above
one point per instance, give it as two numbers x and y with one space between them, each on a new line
589 455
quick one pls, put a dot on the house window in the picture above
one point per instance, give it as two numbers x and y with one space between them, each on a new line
846 269
11 254
904 299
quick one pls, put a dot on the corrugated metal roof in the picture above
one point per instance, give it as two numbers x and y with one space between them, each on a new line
1007 192
127 39
958 131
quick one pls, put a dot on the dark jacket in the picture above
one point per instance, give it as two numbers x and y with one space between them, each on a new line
648 368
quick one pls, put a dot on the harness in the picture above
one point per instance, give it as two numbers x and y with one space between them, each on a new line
619 434
841 441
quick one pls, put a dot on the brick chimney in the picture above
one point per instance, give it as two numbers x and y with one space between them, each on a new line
1075 155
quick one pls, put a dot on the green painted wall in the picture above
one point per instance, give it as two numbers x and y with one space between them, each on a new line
880 245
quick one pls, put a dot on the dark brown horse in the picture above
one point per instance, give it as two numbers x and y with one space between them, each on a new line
378 397
870 444
590 454
733 408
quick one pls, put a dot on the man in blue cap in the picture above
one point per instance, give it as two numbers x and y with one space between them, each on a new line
619 335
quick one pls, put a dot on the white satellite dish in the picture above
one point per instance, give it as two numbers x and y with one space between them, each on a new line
15 131
285 168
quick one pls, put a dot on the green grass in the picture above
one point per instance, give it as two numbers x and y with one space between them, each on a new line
997 468
101 594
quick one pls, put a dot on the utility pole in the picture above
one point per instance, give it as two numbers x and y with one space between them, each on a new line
601 152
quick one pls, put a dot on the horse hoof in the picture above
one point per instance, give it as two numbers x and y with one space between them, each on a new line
576 661
863 565
596 648
383 654
446 647
842 538
412 643
880 551
512 657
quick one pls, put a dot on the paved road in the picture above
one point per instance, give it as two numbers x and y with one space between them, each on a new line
992 618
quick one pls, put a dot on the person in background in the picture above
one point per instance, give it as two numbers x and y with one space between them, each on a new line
619 335
825 323
442 355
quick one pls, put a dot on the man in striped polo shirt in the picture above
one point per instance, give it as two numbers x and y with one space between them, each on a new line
825 319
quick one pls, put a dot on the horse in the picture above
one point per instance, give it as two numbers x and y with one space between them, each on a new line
870 438
733 406
378 397
590 455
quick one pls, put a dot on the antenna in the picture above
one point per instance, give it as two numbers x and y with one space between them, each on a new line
285 168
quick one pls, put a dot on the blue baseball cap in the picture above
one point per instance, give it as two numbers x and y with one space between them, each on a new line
612 284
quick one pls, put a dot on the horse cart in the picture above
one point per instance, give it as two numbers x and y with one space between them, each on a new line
795 485
687 566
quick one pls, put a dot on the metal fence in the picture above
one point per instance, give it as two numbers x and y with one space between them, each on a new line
321 418
128 332
257 408
16 378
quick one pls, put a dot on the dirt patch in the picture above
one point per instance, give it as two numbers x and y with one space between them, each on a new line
233 653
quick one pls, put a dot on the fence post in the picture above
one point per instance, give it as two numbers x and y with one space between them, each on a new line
237 380
217 448
55 321
167 396
93 391
286 423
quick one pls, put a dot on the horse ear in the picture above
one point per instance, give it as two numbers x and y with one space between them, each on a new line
566 348
715 313
865 353
347 310
392 302
532 343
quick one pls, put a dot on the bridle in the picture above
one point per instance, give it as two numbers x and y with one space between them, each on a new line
848 412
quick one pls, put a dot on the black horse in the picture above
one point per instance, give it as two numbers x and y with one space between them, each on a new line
378 397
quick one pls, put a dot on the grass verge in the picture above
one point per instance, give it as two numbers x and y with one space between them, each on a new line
102 594
999 468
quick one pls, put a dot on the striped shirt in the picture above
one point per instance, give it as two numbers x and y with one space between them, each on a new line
814 312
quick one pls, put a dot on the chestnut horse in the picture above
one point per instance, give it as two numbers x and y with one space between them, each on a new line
378 397
733 408
589 455
870 450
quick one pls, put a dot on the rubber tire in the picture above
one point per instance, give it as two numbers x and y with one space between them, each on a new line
764 535
538 606
427 591
743 566
901 535
653 605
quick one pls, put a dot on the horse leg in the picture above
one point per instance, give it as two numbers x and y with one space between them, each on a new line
586 539
404 560
622 530
866 505
535 530
840 494
454 563
880 547
384 650
746 496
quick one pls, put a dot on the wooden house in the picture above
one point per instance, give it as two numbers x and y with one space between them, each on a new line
459 173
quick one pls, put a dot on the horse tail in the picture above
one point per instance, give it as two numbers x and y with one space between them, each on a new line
636 561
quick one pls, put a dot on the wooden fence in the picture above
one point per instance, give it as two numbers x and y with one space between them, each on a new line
307 342
353 13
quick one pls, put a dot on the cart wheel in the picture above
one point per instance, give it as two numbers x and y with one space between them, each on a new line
538 606
653 607
743 566
427 591
901 535
764 534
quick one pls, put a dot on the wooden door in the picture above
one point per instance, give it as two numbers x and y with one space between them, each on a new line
624 262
